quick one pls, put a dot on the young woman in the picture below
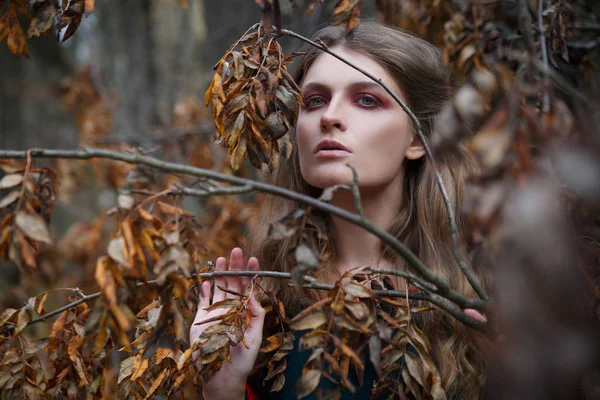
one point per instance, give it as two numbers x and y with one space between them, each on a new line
348 118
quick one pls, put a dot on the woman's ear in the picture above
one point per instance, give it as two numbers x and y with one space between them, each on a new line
415 150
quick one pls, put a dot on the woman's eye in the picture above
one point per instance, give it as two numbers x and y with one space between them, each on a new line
313 102
367 101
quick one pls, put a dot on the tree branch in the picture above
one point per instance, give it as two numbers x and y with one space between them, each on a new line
412 260
312 283
545 95
525 25
464 267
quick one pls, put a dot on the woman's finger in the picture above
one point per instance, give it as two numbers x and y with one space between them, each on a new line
253 266
221 265
257 318
236 263
476 315
204 299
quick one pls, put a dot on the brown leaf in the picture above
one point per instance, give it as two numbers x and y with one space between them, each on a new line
275 341
10 180
239 152
310 321
278 383
156 383
214 343
358 309
9 199
40 308
106 281
347 351
375 353
140 365
89 6
316 338
43 19
358 290
116 251
126 368
33 226
307 383
170 209
16 41
227 303
414 368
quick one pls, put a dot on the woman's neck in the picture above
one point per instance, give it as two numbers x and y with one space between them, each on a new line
354 245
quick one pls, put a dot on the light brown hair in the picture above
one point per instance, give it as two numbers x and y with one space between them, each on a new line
422 223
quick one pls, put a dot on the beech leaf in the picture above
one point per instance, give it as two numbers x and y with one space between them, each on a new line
308 383
10 180
33 226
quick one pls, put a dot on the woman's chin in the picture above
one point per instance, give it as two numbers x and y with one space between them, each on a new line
324 180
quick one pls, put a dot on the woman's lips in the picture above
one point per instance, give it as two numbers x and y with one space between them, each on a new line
337 153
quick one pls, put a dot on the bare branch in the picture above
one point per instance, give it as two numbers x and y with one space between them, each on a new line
356 192
211 191
464 267
545 95
525 26
412 260
312 283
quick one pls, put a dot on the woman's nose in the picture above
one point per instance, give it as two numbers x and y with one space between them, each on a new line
332 118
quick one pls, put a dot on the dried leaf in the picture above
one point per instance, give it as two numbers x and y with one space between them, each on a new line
33 226
10 180
311 321
116 251
307 383
126 368
214 343
358 290
227 303
156 383
275 341
9 199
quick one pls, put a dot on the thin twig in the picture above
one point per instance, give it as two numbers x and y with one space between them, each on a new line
210 191
464 267
356 192
545 95
64 308
412 260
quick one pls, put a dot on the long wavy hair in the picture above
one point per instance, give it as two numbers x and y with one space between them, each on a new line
422 223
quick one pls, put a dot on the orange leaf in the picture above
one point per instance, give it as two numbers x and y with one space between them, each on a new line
156 383
274 342
140 365
89 6
16 41
106 281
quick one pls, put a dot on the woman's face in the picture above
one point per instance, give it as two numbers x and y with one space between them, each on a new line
348 118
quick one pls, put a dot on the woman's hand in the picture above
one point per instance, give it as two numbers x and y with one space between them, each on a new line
230 381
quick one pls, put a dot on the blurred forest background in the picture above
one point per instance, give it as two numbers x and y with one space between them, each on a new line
150 62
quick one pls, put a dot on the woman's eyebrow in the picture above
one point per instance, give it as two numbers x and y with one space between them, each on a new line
351 86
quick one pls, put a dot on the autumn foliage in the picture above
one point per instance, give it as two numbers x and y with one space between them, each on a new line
119 325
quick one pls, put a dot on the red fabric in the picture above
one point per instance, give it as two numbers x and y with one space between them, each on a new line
250 393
